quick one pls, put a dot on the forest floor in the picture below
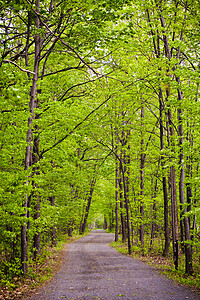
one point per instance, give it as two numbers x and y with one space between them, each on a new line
91 269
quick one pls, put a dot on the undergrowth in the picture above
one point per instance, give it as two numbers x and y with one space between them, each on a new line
39 272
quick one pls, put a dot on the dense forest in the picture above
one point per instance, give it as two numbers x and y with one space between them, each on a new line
99 125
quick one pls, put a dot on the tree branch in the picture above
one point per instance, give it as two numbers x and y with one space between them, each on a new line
72 87
72 131
12 62
63 70
62 41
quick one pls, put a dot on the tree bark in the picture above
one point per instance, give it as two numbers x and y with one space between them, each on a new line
127 208
174 207
123 221
161 108
153 211
164 180
116 202
53 228
37 236
124 160
142 164
28 156
35 153
92 184
188 247
105 224
175 233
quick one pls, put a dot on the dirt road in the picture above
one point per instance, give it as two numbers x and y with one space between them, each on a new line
94 270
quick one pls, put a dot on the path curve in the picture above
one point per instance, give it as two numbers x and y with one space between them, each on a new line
94 270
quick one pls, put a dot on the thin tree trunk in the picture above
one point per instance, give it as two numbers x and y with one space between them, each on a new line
28 156
161 108
105 224
127 208
53 228
174 207
124 168
142 164
35 154
92 184
188 248
153 211
123 222
70 228
164 180
24 257
117 202
175 233
37 236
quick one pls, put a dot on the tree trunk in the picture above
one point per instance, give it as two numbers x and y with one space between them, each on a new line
70 228
125 189
117 203
161 108
123 221
105 224
188 248
24 257
168 54
53 228
142 163
92 184
174 208
28 156
174 215
35 154
153 212
37 236
164 180
36 204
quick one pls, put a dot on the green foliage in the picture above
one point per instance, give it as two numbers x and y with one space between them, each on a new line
78 142
9 270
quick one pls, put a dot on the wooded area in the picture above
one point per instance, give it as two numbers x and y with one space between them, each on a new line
99 123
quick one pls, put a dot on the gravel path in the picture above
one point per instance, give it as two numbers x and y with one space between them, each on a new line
94 270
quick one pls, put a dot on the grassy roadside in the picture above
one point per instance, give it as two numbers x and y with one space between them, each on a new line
165 265
39 273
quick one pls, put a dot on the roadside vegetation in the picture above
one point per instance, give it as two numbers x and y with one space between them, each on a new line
40 272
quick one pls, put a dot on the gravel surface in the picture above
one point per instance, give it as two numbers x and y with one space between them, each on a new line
94 270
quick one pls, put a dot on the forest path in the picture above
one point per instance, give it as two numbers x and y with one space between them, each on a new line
94 270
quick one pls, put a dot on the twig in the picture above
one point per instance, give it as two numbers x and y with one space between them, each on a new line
72 131
12 62
62 41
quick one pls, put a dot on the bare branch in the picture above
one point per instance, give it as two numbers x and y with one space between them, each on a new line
12 62
72 131
63 70
72 87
